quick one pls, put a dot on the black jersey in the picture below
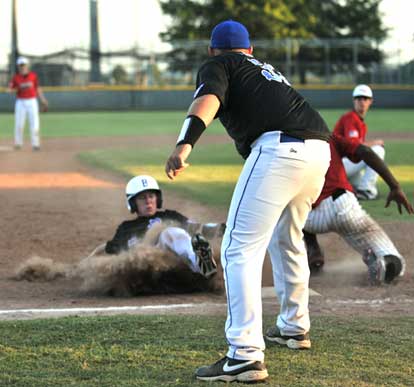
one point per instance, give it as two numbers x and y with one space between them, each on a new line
255 98
130 232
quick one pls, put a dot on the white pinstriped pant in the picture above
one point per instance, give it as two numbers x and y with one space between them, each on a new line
270 204
29 107
346 217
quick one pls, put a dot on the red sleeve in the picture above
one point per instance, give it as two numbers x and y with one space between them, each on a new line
348 128
346 147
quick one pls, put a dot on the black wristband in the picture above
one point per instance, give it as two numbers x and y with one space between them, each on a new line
191 131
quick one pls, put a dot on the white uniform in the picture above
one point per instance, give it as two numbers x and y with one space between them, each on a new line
361 176
270 204
26 107
346 217
178 240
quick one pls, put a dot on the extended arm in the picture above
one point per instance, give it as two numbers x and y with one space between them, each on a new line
200 114
396 194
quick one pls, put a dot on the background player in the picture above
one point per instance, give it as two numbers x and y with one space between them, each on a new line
338 210
144 198
353 127
26 85
284 142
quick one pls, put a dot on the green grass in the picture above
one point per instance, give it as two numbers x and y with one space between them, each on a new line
211 179
151 351
159 123
105 124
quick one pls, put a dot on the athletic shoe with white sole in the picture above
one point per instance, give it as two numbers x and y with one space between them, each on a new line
230 370
293 342
204 255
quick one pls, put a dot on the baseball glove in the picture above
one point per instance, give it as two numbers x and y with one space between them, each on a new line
44 106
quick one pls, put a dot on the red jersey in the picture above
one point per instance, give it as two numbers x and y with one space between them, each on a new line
25 85
335 177
352 127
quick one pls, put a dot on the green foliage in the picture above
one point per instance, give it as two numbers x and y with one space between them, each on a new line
276 19
151 351
119 75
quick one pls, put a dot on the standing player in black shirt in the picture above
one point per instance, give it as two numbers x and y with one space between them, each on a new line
285 144
144 198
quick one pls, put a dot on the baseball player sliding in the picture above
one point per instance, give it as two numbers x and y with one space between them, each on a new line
26 85
144 198
285 144
338 210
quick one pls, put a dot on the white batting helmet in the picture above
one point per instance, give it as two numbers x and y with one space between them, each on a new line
362 91
140 184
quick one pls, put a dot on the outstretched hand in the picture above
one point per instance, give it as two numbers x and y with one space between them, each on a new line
398 196
176 163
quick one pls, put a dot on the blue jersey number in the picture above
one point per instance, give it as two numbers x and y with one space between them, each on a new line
269 72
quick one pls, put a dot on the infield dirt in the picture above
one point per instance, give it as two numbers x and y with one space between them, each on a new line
55 207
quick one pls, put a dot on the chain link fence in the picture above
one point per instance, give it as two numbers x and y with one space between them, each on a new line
312 62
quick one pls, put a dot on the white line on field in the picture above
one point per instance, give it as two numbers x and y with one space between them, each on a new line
105 309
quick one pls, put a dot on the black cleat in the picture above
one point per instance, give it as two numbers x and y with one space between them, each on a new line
293 342
230 370
204 255
365 195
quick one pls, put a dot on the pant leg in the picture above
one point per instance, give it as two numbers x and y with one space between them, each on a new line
33 114
268 182
288 253
354 171
19 120
320 219
359 230
369 178
179 241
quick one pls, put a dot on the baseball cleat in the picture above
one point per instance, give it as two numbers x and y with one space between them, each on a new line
204 255
230 370
293 342
365 195
376 267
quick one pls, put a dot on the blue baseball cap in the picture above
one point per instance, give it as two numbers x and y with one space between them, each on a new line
230 34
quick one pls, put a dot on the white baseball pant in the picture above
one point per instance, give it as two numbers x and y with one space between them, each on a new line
361 176
346 217
178 241
29 107
270 204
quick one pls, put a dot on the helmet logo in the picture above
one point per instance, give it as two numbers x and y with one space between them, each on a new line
144 182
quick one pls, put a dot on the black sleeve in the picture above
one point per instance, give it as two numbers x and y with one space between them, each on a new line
212 78
118 242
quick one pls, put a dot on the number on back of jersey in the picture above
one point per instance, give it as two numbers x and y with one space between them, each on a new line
269 72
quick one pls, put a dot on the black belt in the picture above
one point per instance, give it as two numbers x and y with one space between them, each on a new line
337 193
286 138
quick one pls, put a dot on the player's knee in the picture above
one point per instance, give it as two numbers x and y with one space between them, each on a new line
171 233
379 150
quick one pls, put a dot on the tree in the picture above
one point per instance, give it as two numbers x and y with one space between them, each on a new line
193 20
119 75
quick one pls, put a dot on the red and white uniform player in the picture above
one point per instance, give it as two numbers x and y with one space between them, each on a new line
338 210
26 85
352 126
